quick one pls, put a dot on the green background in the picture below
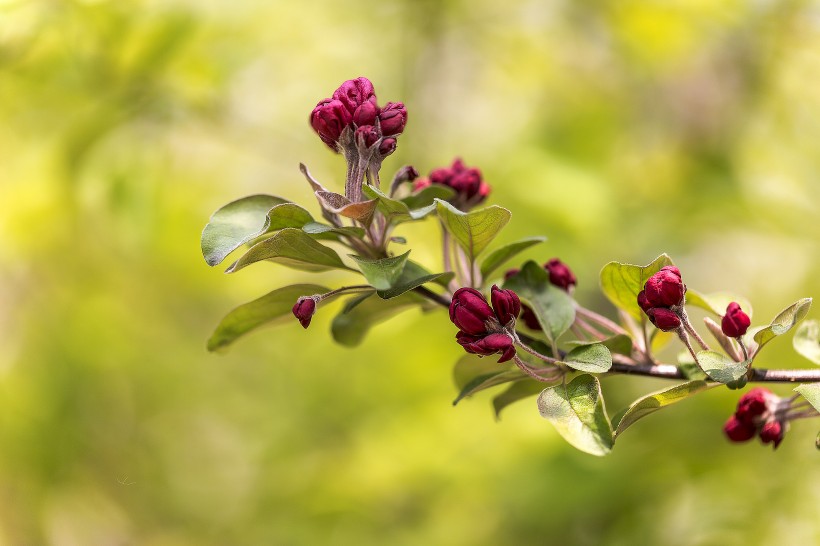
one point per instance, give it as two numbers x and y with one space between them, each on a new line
618 129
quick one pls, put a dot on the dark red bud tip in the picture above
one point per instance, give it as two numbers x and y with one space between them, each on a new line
366 136
735 322
511 273
304 309
329 119
488 344
772 432
354 93
560 275
753 404
408 173
529 318
387 147
366 113
467 182
506 304
643 302
665 288
738 431
469 311
393 118
664 319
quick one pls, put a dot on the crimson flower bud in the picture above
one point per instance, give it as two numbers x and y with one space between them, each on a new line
560 275
354 93
529 318
329 118
387 147
393 118
441 176
664 319
753 404
665 288
643 302
483 191
466 182
366 113
487 345
738 431
469 311
408 173
366 136
304 309
511 273
735 322
506 304
421 183
772 432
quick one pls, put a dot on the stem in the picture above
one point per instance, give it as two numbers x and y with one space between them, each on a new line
533 352
589 329
743 348
600 319
691 330
532 372
345 289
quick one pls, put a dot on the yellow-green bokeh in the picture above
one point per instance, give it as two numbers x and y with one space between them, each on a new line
618 129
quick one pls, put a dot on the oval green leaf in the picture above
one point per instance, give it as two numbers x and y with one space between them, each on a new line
657 400
293 248
426 197
621 283
721 368
807 340
235 224
811 392
264 310
382 274
499 256
412 277
577 412
474 230
592 358
783 322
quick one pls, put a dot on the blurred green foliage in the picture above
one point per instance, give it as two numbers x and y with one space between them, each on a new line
618 129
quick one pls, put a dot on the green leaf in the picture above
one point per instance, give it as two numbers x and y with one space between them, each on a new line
619 343
427 196
485 381
473 231
288 215
363 312
412 277
717 302
382 274
235 224
807 340
783 322
655 401
499 256
515 392
621 283
260 311
577 412
394 210
322 231
721 368
553 307
811 392
294 248
592 358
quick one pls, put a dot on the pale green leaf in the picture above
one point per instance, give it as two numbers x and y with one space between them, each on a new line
811 392
294 248
721 368
657 400
807 340
577 412
592 358
499 256
474 230
783 322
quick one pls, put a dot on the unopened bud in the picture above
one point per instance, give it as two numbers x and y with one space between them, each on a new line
366 136
735 322
488 345
560 274
738 431
366 113
354 93
387 147
665 288
664 319
329 118
304 309
393 118
753 404
772 432
506 304
469 311
643 302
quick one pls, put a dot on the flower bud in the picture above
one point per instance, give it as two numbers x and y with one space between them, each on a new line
506 304
528 317
366 136
483 191
560 275
511 273
738 431
488 344
735 322
366 113
304 309
643 302
421 183
393 118
329 118
408 173
387 147
466 182
354 93
772 432
665 288
469 311
664 319
753 404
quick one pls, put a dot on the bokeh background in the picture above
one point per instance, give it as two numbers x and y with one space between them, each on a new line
618 129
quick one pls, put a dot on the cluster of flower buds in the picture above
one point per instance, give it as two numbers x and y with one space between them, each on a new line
352 120
485 330
560 275
467 182
662 298
735 322
759 413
